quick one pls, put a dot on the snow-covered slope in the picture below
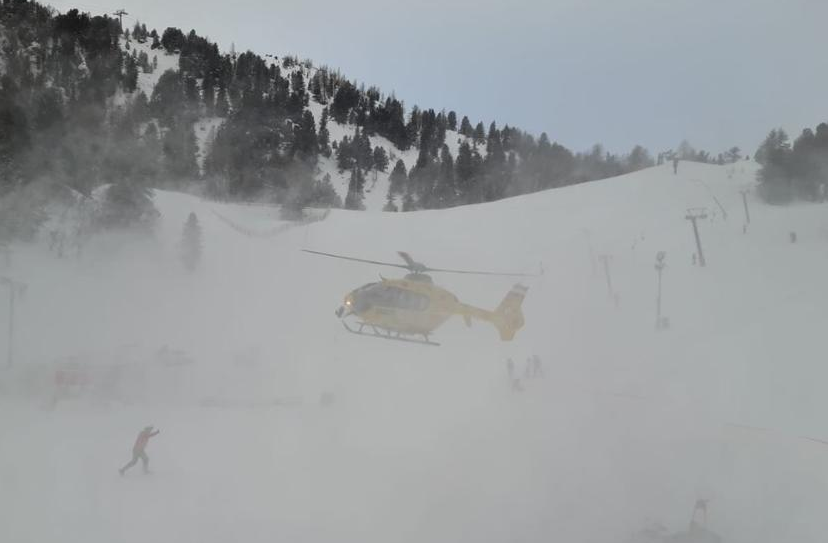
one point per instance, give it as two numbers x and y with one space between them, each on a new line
628 426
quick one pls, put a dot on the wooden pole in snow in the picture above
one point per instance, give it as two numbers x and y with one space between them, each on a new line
15 288
606 259
744 193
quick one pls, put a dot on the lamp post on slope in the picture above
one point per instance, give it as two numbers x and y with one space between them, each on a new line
661 322
744 193
606 259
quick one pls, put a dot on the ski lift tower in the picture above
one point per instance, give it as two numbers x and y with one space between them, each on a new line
16 288
693 215
120 15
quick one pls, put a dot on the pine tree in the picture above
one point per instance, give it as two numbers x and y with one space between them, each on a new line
355 190
733 155
316 88
441 125
361 151
775 175
506 139
173 39
412 129
222 107
398 178
444 189
325 195
323 137
344 155
167 101
191 243
136 33
127 204
479 134
15 139
48 109
452 120
179 148
466 127
305 142
465 170
638 159
144 63
422 178
298 96
208 93
495 154
476 193
191 92
345 98
380 159
408 203
390 206
130 73
686 151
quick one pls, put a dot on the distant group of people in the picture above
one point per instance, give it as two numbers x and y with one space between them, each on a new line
533 369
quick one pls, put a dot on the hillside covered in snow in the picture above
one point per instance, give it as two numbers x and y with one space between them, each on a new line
87 103
161 199
277 423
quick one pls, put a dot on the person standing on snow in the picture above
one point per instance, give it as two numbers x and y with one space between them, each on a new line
537 367
138 450
510 368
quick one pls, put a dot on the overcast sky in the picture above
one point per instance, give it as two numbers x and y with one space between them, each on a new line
715 72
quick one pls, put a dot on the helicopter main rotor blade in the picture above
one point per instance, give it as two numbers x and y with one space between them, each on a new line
413 265
470 272
416 267
356 259
407 257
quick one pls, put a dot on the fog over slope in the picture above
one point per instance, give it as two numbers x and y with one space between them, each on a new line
628 427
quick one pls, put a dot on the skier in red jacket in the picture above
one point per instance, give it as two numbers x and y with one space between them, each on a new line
138 450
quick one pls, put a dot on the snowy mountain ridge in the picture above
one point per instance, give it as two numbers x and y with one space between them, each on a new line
205 127
91 103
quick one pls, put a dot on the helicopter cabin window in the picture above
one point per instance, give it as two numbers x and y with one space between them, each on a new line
400 298
406 299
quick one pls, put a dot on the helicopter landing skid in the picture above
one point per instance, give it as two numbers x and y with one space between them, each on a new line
384 333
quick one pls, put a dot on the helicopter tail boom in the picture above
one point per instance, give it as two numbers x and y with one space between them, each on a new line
507 317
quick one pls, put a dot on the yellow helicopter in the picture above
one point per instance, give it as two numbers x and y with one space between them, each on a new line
411 308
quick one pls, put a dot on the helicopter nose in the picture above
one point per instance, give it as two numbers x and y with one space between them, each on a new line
339 311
